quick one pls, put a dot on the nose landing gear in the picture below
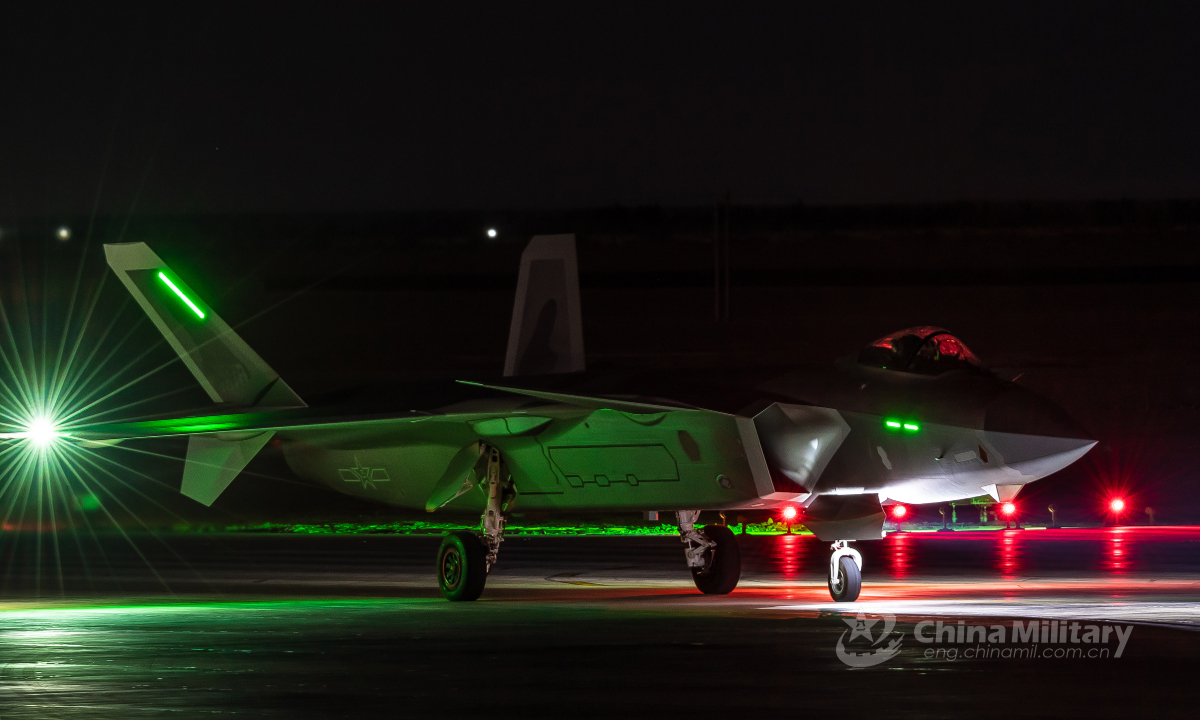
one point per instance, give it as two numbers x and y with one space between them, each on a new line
845 572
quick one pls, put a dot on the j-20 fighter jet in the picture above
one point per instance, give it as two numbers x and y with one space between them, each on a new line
914 417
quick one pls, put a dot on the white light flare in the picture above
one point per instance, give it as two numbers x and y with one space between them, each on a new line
40 432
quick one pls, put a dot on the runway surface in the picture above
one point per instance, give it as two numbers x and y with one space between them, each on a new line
189 625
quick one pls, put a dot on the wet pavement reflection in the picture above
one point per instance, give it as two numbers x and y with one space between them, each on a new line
1000 554
321 626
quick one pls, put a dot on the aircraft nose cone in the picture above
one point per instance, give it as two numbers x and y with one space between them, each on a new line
1037 455
1033 435
1022 412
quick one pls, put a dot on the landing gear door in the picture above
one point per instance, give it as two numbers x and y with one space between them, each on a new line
845 517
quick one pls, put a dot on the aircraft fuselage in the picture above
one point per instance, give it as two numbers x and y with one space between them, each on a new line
852 431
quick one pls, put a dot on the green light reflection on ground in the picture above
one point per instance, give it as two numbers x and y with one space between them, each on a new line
770 527
156 607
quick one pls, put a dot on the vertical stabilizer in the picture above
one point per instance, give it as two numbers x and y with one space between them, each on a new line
228 370
546 335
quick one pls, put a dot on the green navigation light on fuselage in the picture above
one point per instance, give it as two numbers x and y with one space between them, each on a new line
184 298
900 425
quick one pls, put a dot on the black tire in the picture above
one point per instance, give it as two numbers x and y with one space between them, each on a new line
849 582
462 566
721 573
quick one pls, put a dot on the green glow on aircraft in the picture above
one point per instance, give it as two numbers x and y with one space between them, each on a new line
588 444
192 305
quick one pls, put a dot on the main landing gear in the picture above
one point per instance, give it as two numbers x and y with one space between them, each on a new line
465 557
712 553
845 572
462 566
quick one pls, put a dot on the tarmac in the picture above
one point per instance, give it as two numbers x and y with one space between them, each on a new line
271 625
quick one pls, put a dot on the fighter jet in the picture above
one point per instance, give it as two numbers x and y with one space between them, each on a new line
913 417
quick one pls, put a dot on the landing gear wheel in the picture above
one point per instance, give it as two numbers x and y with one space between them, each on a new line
462 566
846 586
721 573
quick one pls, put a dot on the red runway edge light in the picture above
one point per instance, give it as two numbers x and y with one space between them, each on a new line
899 511
1009 508
1117 505
789 513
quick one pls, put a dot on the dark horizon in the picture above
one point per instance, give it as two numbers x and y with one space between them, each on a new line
1014 213
230 109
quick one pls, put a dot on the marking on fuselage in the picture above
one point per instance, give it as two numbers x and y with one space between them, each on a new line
607 465
962 457
368 476
883 456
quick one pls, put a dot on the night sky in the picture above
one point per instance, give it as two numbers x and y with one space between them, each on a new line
355 107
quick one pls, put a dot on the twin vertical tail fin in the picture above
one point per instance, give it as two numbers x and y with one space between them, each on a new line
229 371
225 366
546 335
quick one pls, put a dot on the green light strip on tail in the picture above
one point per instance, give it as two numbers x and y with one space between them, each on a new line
182 297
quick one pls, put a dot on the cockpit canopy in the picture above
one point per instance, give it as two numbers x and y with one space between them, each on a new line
925 350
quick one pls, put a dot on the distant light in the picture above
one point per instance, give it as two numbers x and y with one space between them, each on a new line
893 423
491 232
1009 508
912 426
789 513
182 297
1117 505
41 432
64 233
899 511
